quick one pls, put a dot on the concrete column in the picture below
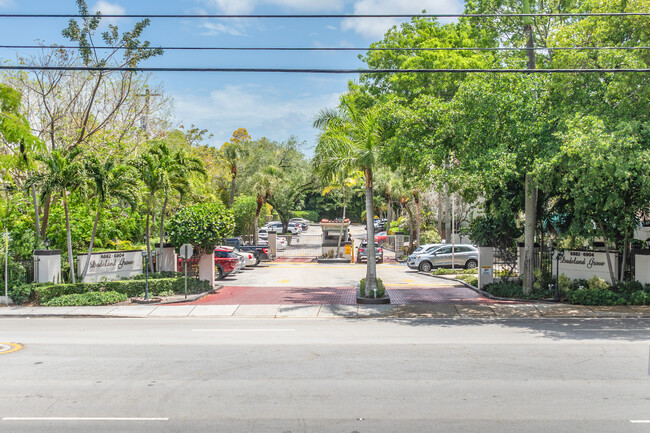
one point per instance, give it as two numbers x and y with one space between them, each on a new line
206 268
642 266
273 246
166 258
485 264
47 266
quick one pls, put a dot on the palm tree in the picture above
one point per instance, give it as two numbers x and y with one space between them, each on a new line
177 167
230 153
63 174
153 177
110 180
350 139
262 183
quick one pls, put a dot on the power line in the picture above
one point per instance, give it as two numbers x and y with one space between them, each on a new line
326 71
227 16
69 47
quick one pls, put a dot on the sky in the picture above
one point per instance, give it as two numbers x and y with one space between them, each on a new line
272 105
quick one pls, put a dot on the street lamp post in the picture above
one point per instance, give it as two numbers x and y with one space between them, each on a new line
560 256
46 242
6 236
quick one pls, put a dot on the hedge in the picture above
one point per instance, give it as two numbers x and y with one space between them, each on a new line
131 288
90 298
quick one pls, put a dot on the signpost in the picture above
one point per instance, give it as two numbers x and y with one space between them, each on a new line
6 266
186 252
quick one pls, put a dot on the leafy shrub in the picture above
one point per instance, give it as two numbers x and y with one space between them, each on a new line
16 271
542 281
130 288
470 279
592 296
515 289
20 293
565 283
579 284
430 236
597 283
639 297
309 215
156 275
447 271
381 290
203 225
91 298
628 287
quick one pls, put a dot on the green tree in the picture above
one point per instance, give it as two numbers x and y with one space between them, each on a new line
110 181
231 153
63 173
351 138
203 225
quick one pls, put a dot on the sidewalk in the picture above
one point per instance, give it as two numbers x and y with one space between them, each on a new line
491 311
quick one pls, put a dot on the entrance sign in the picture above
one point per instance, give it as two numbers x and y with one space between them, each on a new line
187 250
586 265
111 265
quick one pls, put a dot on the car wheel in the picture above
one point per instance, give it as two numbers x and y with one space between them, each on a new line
257 261
218 273
425 267
471 264
380 261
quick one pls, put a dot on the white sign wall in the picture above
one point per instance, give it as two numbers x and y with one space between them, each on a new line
108 266
586 265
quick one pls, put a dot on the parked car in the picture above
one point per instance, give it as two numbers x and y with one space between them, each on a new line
225 263
380 224
277 227
304 224
362 252
426 248
464 256
296 226
261 250
250 258
381 237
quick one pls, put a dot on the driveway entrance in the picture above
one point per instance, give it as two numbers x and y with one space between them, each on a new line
306 244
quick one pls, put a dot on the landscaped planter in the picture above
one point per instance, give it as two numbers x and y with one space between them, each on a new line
372 301
333 260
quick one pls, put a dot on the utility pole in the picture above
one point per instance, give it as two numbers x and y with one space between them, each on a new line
147 95
530 207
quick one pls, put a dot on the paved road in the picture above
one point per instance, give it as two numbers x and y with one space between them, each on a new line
250 375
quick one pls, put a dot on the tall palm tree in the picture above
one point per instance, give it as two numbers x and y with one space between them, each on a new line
153 177
176 169
351 138
230 153
262 183
110 180
63 174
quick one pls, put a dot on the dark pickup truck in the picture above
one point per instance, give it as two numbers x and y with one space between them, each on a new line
261 250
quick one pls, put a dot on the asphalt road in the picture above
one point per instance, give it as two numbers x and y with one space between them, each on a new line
251 375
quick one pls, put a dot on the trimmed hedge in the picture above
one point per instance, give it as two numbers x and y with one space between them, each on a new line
130 288
90 298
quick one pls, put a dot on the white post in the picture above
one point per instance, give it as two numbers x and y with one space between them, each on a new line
485 264
273 246
206 268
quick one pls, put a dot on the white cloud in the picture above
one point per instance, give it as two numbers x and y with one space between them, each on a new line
216 28
6 3
263 111
377 27
107 8
233 6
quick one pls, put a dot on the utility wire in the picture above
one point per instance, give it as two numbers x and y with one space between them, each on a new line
326 71
224 16
69 47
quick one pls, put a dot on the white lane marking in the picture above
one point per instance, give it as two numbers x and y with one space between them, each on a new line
243 330
76 418
611 329
640 421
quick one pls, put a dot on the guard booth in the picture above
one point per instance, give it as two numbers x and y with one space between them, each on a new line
331 233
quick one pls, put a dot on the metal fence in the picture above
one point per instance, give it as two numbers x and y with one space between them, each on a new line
508 264
302 245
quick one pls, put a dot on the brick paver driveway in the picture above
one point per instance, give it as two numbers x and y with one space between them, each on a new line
303 282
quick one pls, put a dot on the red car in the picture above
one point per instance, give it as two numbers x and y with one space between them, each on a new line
225 263
380 237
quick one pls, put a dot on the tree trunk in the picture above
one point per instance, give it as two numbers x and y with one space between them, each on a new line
260 203
609 259
418 215
148 235
530 209
440 214
371 268
162 231
447 215
389 215
626 244
92 242
68 236
46 216
232 189
338 245
411 226
37 224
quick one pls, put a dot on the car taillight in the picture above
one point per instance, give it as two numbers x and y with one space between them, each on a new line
361 250
379 249
266 250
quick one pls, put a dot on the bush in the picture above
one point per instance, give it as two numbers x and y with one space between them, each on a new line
639 297
309 215
628 287
447 271
202 225
156 275
598 284
591 296
130 288
20 293
430 236
470 279
381 290
515 289
91 298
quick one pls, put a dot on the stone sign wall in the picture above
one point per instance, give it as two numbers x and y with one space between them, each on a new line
111 265
586 265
